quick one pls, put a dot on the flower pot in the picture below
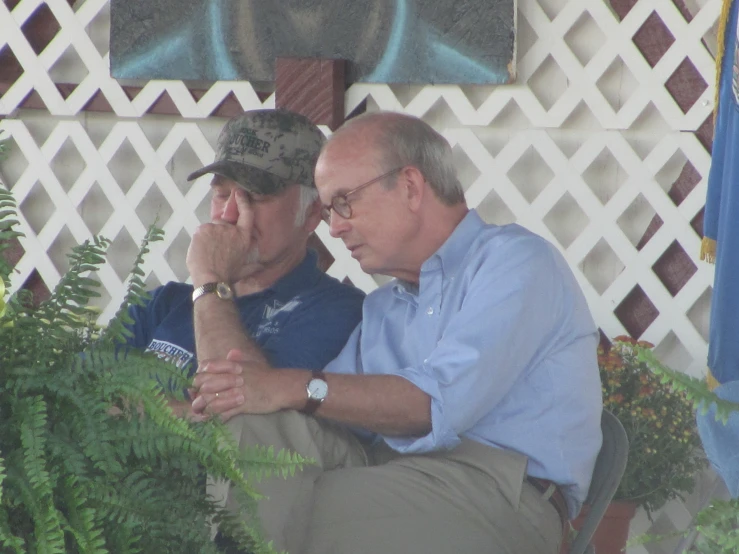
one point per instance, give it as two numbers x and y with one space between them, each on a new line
613 530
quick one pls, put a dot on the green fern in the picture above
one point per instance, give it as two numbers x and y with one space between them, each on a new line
136 292
718 524
7 235
73 477
696 390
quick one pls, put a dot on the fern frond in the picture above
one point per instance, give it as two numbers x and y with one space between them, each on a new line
46 535
2 477
136 292
81 518
263 462
8 212
66 308
50 538
696 390
33 441
8 540
718 527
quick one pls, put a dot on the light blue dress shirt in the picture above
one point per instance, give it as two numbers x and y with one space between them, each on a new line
499 335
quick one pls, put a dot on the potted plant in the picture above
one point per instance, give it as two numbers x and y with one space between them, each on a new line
664 446
73 476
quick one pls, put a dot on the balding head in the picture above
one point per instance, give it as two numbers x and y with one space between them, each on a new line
391 227
399 140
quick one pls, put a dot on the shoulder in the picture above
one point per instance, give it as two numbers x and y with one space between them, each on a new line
168 297
513 259
328 287
511 249
506 237
172 291
324 300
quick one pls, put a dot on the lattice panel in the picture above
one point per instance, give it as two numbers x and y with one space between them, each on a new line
600 147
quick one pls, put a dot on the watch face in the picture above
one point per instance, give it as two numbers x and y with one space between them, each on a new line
318 388
224 291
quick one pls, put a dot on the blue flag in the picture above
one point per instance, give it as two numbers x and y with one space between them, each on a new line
721 220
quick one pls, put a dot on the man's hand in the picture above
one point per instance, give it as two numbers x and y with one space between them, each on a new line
230 387
220 251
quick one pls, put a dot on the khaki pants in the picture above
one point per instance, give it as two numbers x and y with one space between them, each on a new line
472 499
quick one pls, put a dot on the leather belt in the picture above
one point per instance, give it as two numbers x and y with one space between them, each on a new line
552 492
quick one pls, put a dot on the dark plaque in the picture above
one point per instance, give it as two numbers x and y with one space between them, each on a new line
384 41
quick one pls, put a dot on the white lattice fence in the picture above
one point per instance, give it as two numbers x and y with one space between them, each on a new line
586 149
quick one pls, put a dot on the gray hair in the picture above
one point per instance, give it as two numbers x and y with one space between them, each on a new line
308 195
403 140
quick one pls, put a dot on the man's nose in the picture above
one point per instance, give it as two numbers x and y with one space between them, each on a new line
230 212
337 225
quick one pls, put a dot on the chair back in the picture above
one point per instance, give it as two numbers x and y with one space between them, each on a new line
609 468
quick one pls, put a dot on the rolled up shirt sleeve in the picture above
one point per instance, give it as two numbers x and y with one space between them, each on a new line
505 316
442 435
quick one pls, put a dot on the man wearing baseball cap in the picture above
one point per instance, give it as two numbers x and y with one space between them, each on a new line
255 284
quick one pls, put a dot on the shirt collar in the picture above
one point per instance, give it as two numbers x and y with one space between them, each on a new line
449 257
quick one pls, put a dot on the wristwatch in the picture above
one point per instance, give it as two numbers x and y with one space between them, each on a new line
317 389
222 290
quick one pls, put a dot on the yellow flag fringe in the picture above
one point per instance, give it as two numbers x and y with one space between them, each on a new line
711 382
708 250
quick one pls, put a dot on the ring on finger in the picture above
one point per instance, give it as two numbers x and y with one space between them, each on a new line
217 395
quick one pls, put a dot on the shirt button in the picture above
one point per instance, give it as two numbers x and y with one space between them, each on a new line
430 311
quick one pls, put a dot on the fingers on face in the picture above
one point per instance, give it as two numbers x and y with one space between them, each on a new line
244 207
230 211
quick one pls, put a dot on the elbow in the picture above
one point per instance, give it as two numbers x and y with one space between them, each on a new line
423 430
421 425
414 420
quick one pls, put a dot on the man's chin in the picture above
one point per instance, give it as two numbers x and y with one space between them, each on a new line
366 265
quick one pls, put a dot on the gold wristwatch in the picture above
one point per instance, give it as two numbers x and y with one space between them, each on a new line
222 290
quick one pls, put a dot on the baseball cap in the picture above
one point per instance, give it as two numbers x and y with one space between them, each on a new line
266 151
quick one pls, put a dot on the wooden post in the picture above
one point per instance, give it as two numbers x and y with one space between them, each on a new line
314 88
311 87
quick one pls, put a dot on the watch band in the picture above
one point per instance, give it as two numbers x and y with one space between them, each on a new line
222 290
313 403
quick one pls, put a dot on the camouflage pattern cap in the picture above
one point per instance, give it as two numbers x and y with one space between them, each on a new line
266 151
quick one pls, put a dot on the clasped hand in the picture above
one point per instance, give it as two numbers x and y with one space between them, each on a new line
230 387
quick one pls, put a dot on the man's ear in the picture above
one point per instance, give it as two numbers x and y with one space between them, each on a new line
414 186
313 216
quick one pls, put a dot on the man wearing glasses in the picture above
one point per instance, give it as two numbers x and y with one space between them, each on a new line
463 414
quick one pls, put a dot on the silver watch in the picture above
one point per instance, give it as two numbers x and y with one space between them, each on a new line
222 290
317 389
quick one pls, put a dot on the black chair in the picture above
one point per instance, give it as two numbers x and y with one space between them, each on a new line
609 468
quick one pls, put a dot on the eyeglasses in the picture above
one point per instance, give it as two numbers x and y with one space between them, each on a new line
340 203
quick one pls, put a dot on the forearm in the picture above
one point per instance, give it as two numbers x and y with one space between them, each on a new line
218 330
384 404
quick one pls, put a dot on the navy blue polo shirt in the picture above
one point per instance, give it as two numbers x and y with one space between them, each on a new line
303 320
